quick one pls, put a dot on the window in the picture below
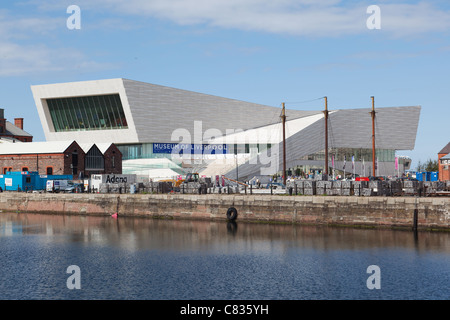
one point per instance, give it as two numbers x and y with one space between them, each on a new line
49 170
131 151
74 164
25 169
6 169
28 179
94 159
87 113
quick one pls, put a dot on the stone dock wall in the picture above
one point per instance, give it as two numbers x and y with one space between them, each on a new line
432 212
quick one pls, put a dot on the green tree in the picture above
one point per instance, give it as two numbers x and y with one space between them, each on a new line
428 166
432 165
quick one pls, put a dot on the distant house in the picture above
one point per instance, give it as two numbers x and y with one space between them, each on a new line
60 158
13 131
444 163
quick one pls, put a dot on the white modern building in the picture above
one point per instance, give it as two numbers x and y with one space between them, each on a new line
215 135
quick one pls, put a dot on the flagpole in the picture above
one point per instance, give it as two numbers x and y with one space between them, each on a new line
377 165
364 168
283 118
373 134
326 135
345 162
353 166
332 164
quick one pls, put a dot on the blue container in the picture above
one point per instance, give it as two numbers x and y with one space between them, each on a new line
19 180
434 176
27 181
420 176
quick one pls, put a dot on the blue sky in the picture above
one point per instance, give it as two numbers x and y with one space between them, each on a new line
259 51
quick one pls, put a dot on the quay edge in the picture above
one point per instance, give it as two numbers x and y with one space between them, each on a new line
433 213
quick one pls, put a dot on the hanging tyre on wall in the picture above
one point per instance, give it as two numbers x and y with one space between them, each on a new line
232 213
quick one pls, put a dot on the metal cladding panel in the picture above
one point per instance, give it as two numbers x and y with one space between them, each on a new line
395 128
159 110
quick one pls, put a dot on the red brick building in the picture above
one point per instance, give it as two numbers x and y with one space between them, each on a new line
444 163
13 131
59 157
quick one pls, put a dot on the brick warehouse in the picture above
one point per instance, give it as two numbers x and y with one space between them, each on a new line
60 158
444 163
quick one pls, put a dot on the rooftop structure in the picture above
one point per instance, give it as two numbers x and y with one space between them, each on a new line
11 132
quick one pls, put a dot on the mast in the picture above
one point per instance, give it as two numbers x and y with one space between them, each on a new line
373 135
283 118
326 135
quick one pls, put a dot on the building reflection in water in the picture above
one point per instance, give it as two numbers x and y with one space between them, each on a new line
155 234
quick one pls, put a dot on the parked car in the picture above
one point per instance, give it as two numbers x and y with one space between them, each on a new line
74 188
276 185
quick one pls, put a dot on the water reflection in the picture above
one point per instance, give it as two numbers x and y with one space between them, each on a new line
141 233
138 258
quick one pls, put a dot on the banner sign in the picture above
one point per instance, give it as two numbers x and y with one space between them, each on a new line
179 148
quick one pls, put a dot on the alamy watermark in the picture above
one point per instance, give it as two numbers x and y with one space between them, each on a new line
212 145
374 21
74 280
74 20
374 280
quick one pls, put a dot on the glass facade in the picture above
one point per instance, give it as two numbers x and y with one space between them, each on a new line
103 112
145 150
383 155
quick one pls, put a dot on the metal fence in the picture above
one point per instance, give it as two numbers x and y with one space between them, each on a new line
297 187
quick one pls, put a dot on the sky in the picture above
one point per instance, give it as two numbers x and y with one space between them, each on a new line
261 51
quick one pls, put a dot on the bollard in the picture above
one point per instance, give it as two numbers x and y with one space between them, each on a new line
271 192
416 215
251 190
290 191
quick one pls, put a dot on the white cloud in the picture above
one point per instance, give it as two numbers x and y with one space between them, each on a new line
24 47
294 17
17 60
411 19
